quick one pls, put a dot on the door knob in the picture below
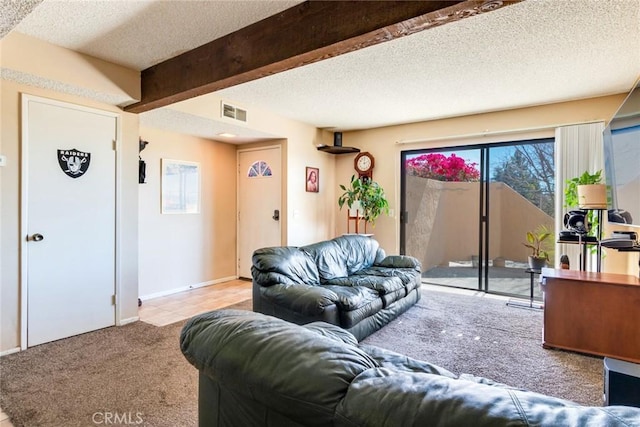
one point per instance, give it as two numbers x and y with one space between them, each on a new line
37 237
276 215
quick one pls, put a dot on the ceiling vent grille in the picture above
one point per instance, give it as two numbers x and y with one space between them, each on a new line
234 113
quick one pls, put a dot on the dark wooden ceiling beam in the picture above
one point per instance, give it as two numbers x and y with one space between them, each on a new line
309 32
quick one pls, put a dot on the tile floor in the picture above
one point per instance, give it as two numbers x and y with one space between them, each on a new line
173 308
4 420
183 305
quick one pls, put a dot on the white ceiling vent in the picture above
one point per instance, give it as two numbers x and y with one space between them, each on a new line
234 113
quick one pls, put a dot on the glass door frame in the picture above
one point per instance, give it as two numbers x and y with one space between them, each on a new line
403 203
484 220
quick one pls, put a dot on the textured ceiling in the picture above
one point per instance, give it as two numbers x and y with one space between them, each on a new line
141 33
532 53
13 12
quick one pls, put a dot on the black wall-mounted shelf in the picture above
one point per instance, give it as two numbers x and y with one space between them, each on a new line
335 149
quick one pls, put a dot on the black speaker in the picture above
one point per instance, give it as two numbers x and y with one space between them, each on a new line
337 139
620 216
577 221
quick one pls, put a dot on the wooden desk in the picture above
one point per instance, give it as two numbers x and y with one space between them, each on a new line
594 313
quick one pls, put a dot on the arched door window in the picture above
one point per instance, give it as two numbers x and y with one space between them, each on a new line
259 169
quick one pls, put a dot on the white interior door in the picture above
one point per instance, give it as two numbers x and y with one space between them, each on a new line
259 187
69 248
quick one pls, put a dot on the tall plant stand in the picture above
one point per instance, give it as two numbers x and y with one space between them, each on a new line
356 218
584 241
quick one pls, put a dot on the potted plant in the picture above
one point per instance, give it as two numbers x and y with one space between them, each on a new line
367 196
535 241
586 191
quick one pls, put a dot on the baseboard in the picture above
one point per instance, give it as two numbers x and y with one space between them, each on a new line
186 288
10 351
128 320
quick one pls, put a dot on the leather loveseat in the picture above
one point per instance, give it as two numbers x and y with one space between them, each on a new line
257 370
347 281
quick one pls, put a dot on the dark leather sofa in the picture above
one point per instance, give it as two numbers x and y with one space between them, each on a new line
257 370
347 281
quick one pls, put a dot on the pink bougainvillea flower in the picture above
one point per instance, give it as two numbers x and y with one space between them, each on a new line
442 168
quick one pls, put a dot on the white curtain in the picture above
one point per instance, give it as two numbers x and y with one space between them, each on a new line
579 148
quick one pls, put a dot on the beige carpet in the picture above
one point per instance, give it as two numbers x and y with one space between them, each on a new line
484 337
138 372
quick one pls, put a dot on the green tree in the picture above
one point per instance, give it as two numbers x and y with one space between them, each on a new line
530 171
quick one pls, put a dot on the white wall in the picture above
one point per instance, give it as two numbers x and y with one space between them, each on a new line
179 251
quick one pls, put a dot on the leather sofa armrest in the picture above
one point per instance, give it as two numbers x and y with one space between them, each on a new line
400 261
304 299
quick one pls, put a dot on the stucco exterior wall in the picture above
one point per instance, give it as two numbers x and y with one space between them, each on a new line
443 221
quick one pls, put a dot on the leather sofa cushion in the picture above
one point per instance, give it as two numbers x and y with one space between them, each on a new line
286 265
381 284
408 277
355 303
390 289
343 256
399 261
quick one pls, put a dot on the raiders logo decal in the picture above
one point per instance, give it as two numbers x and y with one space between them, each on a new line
74 162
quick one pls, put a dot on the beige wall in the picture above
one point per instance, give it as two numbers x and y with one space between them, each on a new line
37 63
307 217
178 251
39 76
387 143
310 215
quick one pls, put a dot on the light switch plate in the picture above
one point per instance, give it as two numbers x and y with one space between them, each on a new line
3 160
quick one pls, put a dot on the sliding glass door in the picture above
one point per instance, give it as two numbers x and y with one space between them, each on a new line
466 211
439 223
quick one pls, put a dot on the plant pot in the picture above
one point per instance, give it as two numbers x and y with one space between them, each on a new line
355 210
593 196
537 263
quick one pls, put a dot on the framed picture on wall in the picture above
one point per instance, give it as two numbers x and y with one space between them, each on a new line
312 179
180 187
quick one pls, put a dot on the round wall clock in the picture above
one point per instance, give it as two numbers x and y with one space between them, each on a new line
363 164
